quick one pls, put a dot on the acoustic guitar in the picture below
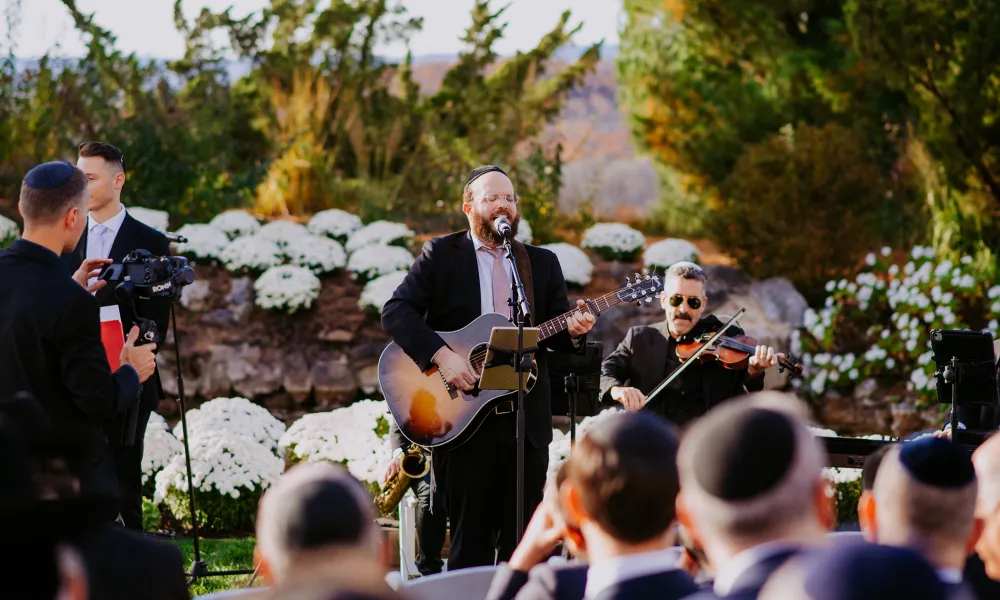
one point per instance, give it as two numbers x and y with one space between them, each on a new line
432 413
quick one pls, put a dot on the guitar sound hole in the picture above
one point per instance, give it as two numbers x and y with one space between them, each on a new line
477 358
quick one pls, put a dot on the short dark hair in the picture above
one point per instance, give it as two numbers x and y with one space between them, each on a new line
870 468
47 205
106 151
625 470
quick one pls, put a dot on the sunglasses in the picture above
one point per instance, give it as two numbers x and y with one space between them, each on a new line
693 301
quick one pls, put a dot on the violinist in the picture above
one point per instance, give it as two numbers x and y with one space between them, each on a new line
649 354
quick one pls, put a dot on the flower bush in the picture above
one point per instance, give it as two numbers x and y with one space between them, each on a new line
576 266
524 234
230 473
9 232
355 435
157 219
664 253
251 255
559 449
847 486
159 446
614 241
877 325
287 288
205 242
384 233
319 254
334 223
283 233
378 291
237 416
377 260
236 223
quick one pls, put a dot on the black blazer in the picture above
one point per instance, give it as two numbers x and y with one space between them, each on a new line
133 235
543 582
50 346
441 293
668 585
748 585
123 564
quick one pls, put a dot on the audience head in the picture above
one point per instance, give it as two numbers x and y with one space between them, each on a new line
53 203
986 459
315 512
621 482
866 503
855 571
751 472
572 536
925 497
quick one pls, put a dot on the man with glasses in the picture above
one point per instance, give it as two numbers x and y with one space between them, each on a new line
648 355
457 278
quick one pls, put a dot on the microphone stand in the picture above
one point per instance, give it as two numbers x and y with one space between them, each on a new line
521 312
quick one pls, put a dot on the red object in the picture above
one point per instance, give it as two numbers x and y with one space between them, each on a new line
112 335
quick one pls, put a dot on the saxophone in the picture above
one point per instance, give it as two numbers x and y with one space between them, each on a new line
414 464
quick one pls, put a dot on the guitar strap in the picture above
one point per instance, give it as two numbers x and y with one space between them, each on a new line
524 270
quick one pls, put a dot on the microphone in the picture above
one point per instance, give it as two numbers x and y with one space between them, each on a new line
501 225
173 237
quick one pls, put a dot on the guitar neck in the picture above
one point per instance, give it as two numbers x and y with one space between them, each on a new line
558 324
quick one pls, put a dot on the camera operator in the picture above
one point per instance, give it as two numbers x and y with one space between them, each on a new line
111 234
50 339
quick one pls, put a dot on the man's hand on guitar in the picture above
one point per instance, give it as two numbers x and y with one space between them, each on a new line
631 398
579 323
456 369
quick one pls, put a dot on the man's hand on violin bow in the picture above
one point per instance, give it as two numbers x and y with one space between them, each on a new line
631 398
764 357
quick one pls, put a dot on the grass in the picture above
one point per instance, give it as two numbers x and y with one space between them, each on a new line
221 555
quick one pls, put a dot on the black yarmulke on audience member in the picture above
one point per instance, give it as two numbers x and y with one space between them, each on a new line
480 171
49 175
749 455
937 462
860 571
326 513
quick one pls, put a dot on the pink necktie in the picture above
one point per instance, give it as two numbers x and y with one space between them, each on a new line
501 291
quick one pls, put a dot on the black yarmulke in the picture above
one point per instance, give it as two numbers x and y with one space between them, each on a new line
480 171
861 571
49 175
748 456
323 513
937 462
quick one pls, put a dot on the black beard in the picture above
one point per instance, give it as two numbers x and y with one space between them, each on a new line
483 229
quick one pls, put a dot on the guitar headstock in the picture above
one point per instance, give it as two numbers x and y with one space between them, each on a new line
645 286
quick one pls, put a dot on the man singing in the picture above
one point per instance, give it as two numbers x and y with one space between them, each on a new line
50 340
112 233
648 355
457 278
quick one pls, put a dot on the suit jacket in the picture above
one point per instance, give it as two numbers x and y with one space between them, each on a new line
50 346
667 585
441 293
123 564
133 235
748 585
960 591
975 575
543 582
645 358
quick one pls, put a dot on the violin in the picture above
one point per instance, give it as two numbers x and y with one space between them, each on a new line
731 352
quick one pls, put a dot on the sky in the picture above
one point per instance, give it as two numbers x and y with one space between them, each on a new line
146 27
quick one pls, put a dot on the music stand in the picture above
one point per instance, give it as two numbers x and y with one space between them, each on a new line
580 379
499 367
965 363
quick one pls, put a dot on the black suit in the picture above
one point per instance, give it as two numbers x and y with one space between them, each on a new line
132 235
749 583
50 346
124 564
668 585
975 575
648 354
441 292
544 582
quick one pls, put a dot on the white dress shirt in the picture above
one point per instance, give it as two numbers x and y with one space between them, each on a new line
484 258
609 572
101 236
742 562
950 575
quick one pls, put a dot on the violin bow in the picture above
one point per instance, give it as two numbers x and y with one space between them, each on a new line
684 365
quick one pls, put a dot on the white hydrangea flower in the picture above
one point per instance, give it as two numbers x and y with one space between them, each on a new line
841 475
236 223
664 253
378 260
820 432
614 238
282 232
251 254
237 416
288 288
223 462
203 241
157 219
574 262
334 223
559 449
318 253
384 233
524 233
378 291
159 446
870 259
